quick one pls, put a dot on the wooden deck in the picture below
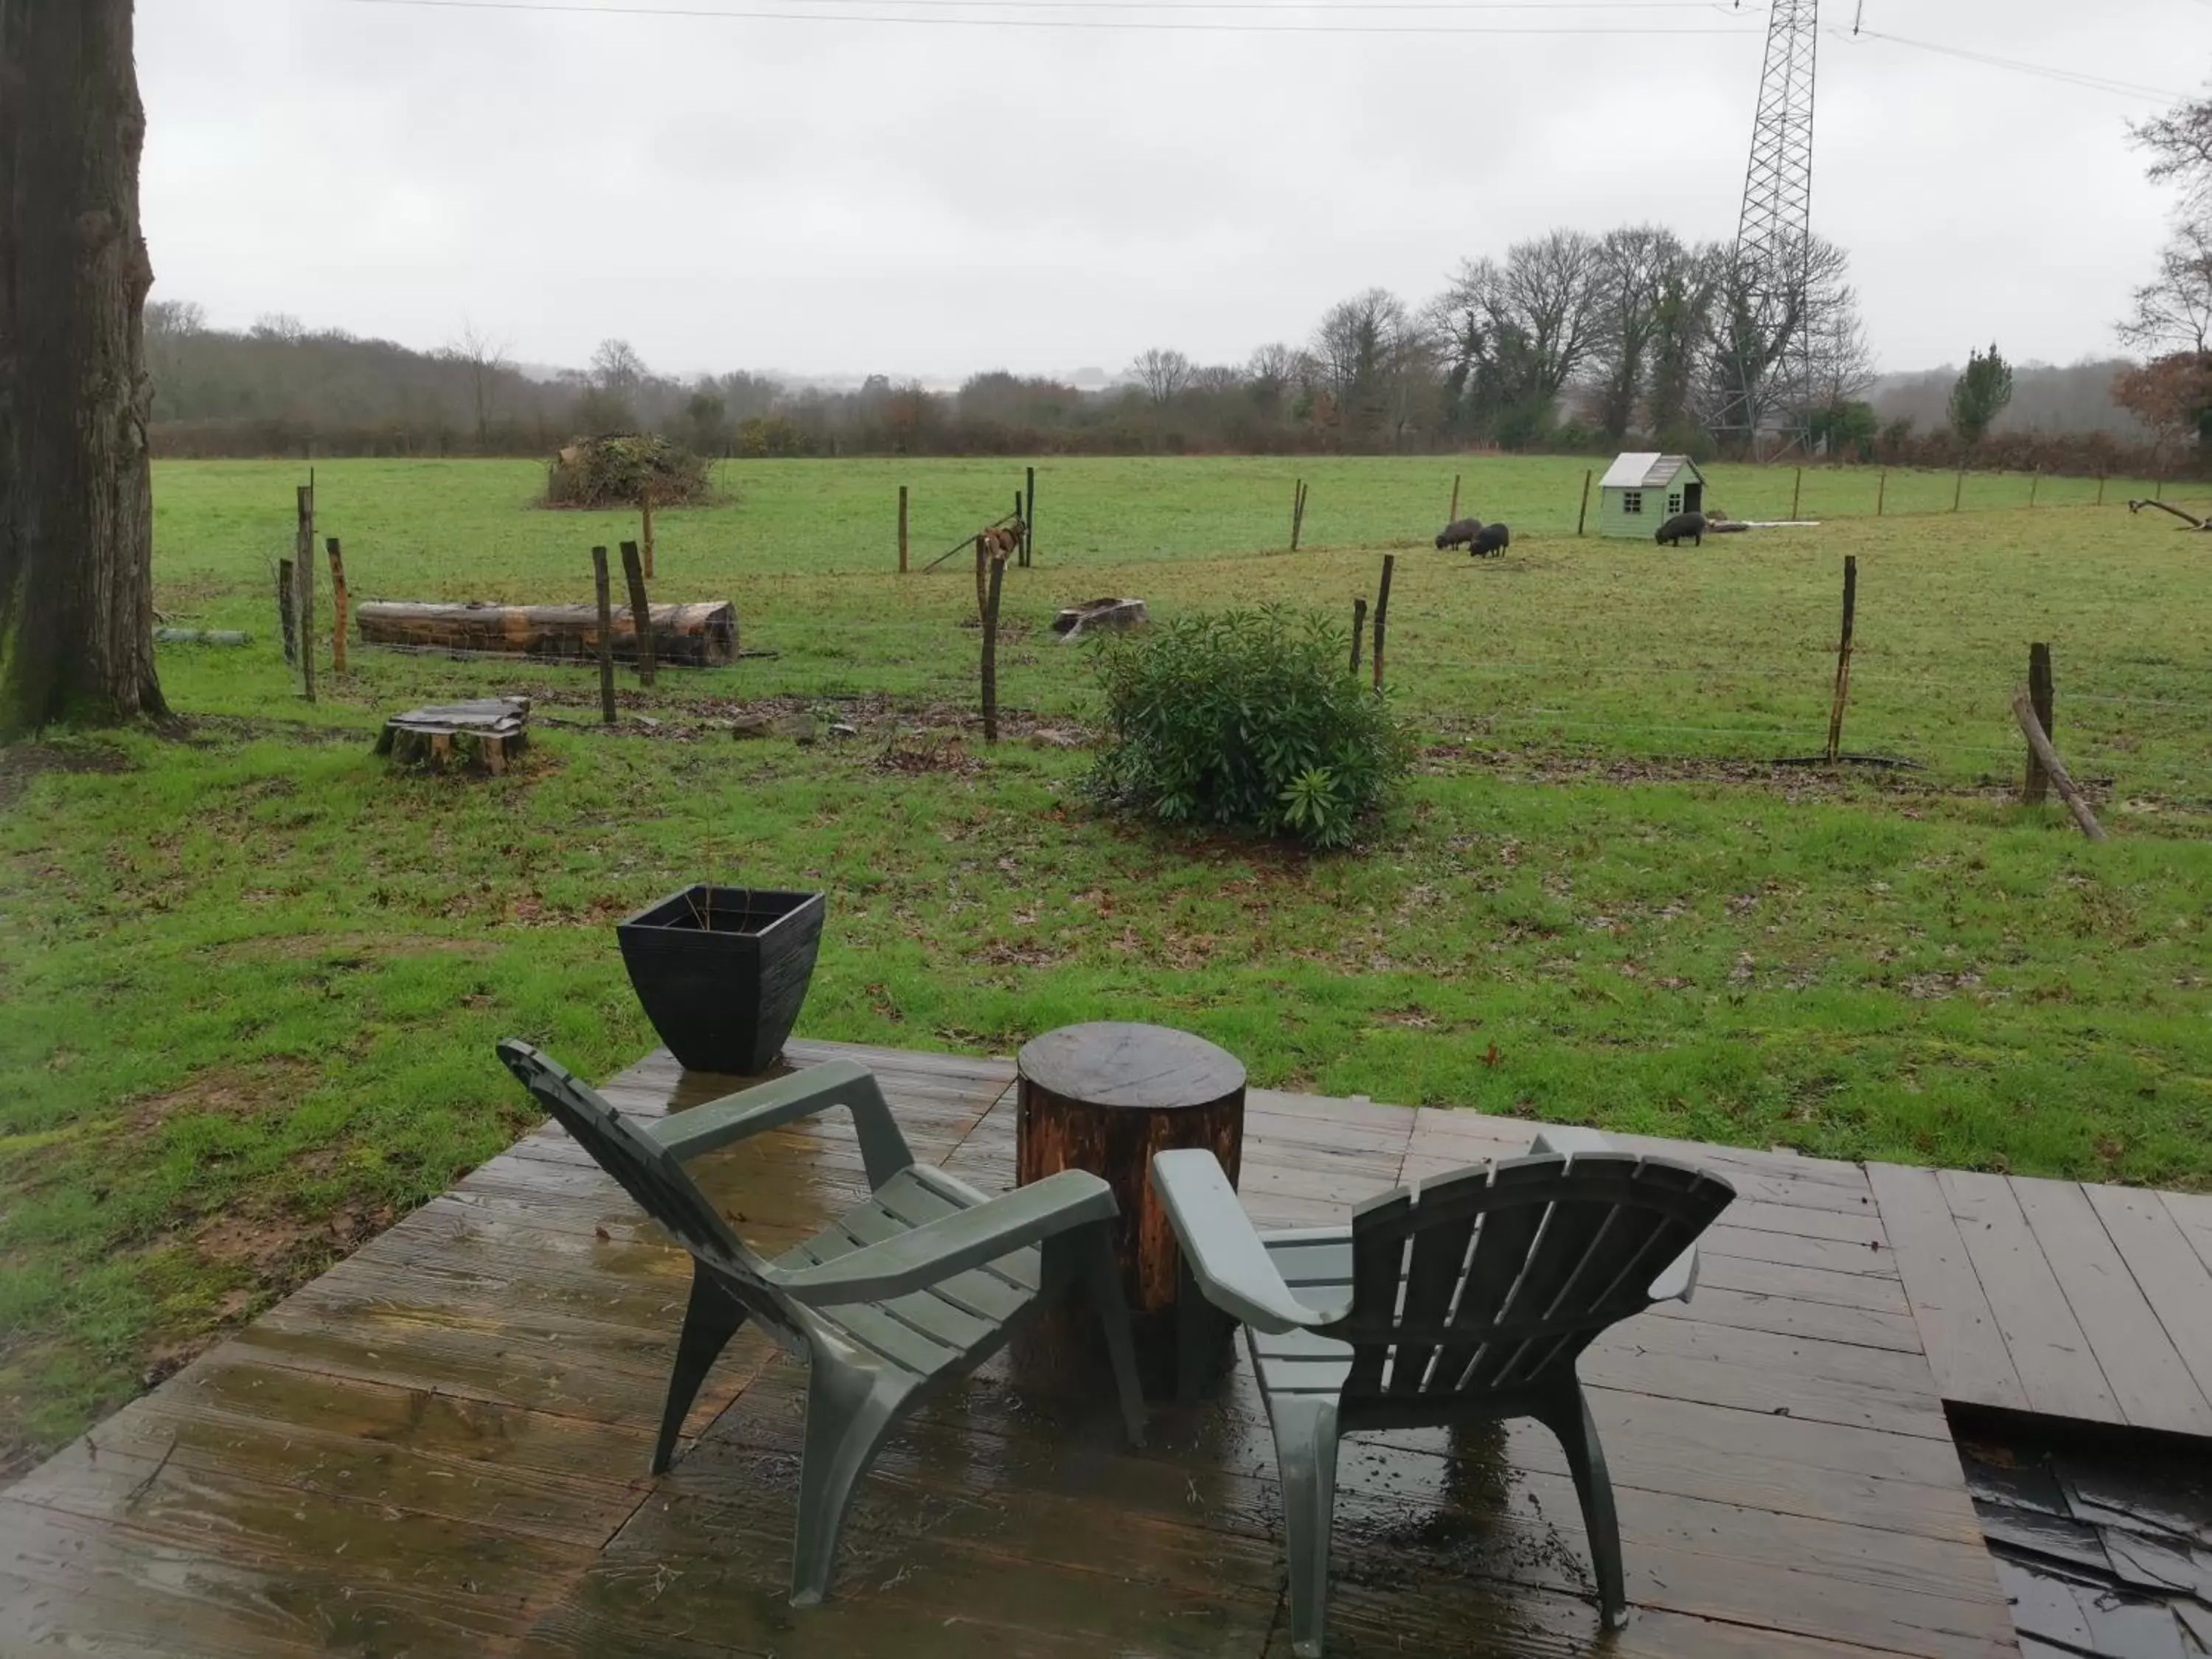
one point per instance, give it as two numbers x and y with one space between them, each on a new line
439 1448
2058 1298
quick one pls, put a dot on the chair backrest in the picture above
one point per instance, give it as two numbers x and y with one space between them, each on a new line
1494 1278
646 1169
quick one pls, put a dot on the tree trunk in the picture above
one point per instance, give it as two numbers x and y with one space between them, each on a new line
77 530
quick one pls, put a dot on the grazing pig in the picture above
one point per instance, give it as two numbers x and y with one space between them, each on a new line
1460 533
1492 539
1691 525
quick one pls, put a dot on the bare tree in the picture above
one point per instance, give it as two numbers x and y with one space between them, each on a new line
279 325
76 518
2180 143
175 318
1681 336
1763 330
1634 265
2173 311
1163 374
485 360
1514 332
1368 352
1275 371
617 368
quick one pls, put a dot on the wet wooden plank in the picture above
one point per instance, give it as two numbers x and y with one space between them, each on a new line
1965 1347
2057 1369
2150 1384
2192 1213
2173 1279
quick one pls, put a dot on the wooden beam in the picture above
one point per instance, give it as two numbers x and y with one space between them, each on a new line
2023 710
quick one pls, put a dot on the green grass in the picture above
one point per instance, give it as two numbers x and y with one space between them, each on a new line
249 981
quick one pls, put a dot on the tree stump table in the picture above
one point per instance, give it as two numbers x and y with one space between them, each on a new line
1104 1097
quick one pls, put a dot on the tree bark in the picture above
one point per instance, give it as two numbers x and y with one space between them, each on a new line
77 531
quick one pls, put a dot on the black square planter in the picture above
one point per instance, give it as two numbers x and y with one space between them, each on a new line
722 972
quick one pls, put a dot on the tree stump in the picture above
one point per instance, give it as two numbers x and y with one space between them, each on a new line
481 736
1105 1098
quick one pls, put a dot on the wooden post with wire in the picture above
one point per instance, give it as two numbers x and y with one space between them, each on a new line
1358 631
991 650
1880 492
1382 613
1452 515
2034 478
1959 489
1297 512
606 640
644 532
641 612
338 602
288 612
2037 789
1844 658
303 576
1029 517
2100 490
902 529
1582 515
1796 491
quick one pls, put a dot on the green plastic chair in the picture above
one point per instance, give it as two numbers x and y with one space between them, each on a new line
908 1293
1464 1300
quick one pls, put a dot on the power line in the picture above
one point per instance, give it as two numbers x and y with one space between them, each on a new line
2069 77
586 8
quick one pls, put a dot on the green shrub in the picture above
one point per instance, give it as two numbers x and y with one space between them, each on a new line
1250 720
620 470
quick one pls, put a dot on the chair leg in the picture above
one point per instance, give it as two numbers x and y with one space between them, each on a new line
710 1322
1104 1275
848 1421
1578 1434
1305 1451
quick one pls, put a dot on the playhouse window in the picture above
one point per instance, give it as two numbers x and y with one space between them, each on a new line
1674 505
1631 500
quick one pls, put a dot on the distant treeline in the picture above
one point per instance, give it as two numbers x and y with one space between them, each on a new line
1486 365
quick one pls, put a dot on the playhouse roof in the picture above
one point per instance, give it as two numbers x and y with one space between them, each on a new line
1646 469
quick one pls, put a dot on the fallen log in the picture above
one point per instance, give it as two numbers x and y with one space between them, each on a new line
483 735
201 636
2189 519
2023 710
700 635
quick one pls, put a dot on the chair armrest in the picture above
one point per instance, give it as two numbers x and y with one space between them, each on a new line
933 1252
1679 1280
1224 1255
768 1105
1567 1139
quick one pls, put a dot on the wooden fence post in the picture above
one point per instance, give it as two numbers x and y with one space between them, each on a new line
1844 658
902 529
606 636
338 605
303 579
1880 492
1382 613
2034 479
288 612
2023 710
1358 631
983 578
991 654
645 506
1022 525
2100 490
1452 516
1959 489
1796 491
641 612
1029 516
2038 787
1583 516
1298 511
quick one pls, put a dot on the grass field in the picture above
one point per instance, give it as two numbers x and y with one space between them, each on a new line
249 981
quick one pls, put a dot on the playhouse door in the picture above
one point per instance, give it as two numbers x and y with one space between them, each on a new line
1693 498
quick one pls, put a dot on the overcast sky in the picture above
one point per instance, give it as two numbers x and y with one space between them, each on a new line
938 197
